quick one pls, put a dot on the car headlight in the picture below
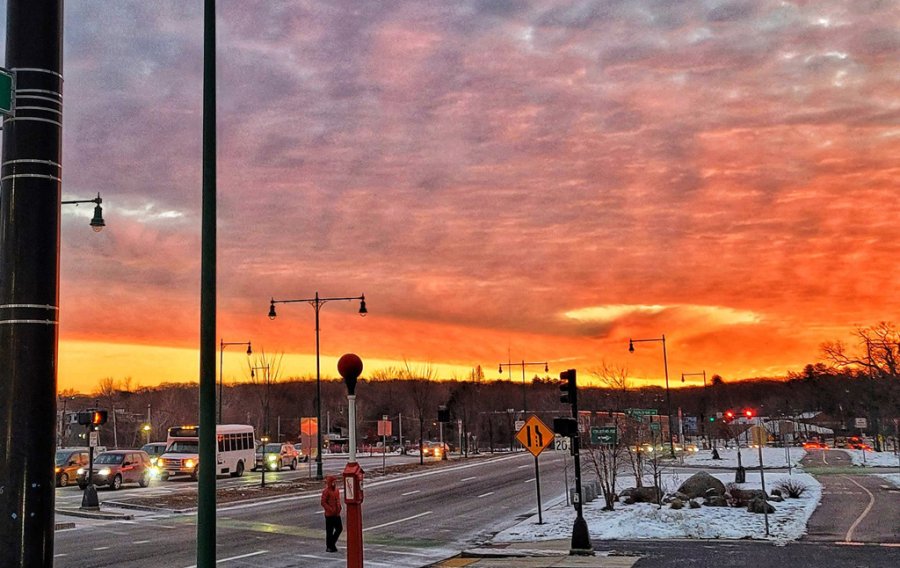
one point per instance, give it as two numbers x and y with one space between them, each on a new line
104 472
154 472
272 457
189 464
80 471
154 460
58 469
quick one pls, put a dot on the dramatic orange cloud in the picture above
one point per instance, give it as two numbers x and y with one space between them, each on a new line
536 181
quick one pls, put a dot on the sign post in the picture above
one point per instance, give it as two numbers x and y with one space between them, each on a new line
384 430
535 436
760 436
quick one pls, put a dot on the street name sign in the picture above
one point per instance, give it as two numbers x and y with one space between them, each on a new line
860 423
7 92
535 435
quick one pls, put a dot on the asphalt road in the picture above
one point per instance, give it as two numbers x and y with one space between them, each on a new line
409 520
740 554
855 508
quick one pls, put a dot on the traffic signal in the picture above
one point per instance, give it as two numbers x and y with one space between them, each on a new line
98 417
443 414
565 426
568 387
728 416
748 413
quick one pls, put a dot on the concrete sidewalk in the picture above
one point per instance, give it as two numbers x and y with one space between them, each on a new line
544 554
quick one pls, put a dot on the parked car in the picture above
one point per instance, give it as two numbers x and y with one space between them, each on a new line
68 460
277 456
814 445
117 467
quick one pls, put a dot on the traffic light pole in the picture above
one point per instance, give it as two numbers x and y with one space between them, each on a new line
581 538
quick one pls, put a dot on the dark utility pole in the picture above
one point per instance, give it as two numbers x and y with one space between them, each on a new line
206 491
29 283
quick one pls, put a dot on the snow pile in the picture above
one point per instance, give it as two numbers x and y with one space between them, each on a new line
648 521
772 457
873 459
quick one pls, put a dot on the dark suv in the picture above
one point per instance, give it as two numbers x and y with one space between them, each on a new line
115 467
68 460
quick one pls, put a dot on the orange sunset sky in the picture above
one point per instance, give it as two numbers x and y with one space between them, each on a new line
529 180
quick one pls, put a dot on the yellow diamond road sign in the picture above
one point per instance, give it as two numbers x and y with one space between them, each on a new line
535 435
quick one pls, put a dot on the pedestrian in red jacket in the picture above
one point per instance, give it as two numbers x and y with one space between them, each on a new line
331 503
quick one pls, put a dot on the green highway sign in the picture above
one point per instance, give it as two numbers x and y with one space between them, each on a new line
654 426
7 92
604 436
637 412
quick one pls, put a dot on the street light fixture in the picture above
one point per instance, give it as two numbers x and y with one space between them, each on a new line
662 339
222 345
524 364
97 222
317 302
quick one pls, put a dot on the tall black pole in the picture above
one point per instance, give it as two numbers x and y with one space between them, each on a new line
319 469
581 539
29 282
206 498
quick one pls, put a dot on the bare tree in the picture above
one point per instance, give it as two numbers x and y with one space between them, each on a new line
264 370
605 457
420 389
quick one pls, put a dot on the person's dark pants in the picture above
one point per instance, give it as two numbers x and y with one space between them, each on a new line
333 529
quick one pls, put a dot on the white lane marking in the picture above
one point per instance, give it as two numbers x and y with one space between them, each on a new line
397 521
486 494
468 478
140 542
102 548
410 492
529 480
824 461
849 537
526 465
242 556
60 555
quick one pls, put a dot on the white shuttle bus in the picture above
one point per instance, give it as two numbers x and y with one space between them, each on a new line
235 452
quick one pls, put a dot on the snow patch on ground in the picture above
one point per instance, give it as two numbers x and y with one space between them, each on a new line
892 477
772 457
648 521
873 459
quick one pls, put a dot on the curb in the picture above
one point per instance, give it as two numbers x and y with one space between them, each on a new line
64 526
136 507
94 514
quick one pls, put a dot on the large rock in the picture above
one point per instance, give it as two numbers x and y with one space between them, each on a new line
646 494
759 505
741 497
716 501
702 484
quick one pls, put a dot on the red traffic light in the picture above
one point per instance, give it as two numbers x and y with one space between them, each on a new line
748 413
729 416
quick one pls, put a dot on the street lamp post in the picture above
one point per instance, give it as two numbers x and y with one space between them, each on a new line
97 222
317 302
265 437
523 364
222 345
662 339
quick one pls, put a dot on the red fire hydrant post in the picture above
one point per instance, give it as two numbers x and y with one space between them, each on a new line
353 498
